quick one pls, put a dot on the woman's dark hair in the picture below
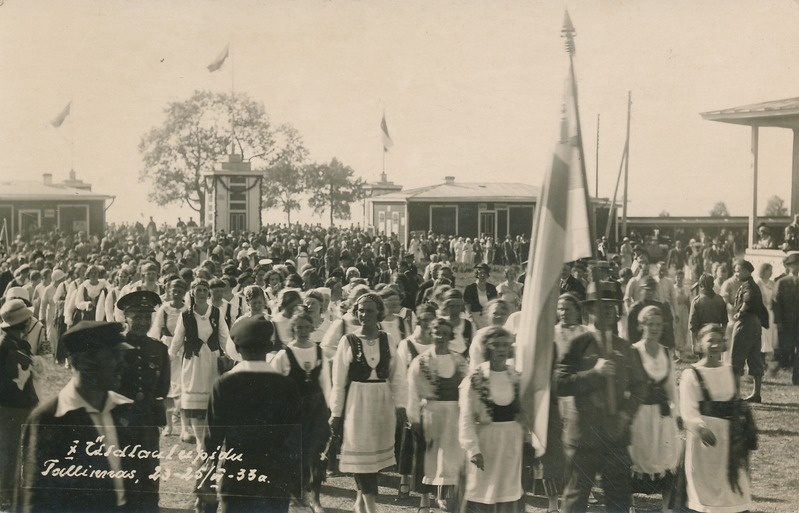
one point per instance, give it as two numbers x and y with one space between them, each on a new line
489 336
288 296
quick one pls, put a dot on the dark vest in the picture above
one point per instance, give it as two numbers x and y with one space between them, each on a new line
359 369
193 343
307 381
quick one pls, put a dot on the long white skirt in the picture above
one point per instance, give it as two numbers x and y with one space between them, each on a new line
706 473
655 445
197 377
501 481
369 423
443 455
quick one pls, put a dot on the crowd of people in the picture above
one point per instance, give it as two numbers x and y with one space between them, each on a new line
230 342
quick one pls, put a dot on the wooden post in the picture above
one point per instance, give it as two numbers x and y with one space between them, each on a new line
753 217
795 175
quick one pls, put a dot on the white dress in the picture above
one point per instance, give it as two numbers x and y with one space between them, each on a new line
500 442
655 443
369 410
169 314
198 373
707 485
430 376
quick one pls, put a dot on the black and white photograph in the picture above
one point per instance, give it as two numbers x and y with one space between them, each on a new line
463 256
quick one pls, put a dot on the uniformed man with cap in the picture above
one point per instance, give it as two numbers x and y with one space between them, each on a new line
146 376
85 411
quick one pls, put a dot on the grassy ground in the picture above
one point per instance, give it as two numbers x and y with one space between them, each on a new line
774 467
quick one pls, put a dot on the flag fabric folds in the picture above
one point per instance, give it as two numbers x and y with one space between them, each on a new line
220 60
59 120
561 233
387 142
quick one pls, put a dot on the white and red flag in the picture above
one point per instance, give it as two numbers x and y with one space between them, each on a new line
561 233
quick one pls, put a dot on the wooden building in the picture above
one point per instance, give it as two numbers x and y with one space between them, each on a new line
70 206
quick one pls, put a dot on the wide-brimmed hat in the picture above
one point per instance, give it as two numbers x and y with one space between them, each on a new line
607 291
792 258
14 312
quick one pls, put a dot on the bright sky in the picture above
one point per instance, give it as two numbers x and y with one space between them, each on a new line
470 88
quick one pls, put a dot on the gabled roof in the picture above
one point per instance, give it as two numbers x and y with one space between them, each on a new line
458 191
36 190
775 113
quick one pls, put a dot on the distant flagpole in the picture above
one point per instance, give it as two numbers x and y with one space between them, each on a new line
561 233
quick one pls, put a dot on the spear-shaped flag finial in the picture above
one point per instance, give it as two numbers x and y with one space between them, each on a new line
568 33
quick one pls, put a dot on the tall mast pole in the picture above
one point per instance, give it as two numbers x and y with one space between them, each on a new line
626 166
596 166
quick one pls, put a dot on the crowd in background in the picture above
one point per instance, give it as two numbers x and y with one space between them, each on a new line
399 362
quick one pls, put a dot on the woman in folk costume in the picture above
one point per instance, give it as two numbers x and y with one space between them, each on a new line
767 287
287 301
682 310
347 324
274 282
111 294
165 321
196 344
399 321
315 303
255 300
433 380
655 444
369 376
87 296
463 329
411 459
720 431
489 429
302 361
497 313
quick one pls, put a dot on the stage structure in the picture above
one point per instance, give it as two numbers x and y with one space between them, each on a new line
770 114
233 196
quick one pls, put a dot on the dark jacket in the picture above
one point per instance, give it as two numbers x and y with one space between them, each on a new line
707 308
47 437
786 300
471 298
257 415
749 301
589 423
145 378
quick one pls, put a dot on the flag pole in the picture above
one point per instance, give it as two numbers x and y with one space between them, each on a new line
596 167
71 138
622 167
569 33
626 165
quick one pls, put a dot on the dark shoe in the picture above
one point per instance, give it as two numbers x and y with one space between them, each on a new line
754 399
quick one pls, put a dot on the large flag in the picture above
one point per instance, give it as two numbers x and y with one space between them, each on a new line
387 142
59 120
561 234
220 59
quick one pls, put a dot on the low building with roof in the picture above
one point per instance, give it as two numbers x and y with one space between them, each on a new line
70 206
494 209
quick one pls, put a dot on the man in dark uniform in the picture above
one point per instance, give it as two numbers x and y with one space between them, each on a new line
750 317
786 317
145 378
599 370
86 411
254 412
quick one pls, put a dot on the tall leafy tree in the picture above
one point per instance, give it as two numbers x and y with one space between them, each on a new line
195 135
283 180
776 207
719 210
333 187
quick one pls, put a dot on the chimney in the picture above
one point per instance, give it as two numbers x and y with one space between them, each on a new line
47 178
449 180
